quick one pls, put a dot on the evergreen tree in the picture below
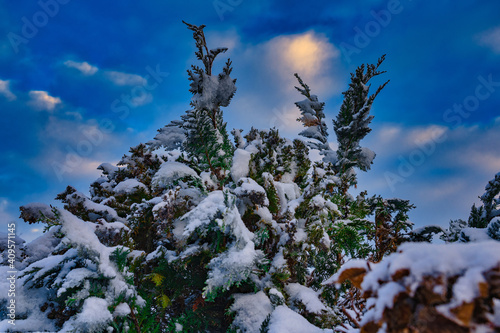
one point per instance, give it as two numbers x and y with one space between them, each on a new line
477 217
189 233
351 124
490 199
313 118
482 221
392 226
206 136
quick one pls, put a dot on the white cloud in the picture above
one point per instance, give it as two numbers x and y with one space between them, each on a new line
475 148
142 99
72 149
388 133
81 135
84 67
125 79
443 178
491 39
390 139
5 90
77 116
487 161
42 101
445 188
5 217
427 134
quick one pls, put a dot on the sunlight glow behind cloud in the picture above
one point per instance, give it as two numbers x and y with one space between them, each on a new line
307 53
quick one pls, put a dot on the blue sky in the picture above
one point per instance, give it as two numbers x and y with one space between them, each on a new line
73 75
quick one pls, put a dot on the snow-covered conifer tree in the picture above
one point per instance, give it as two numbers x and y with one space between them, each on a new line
313 118
351 124
483 220
491 200
206 136
190 233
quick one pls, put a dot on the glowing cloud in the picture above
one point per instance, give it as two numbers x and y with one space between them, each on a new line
42 101
308 54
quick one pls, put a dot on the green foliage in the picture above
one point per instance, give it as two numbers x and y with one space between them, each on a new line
264 328
119 256
207 140
477 218
490 198
208 145
143 228
272 196
145 320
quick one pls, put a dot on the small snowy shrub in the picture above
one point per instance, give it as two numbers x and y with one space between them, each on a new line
483 221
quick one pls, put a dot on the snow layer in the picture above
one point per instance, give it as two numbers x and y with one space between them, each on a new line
475 234
108 169
34 211
81 234
240 167
129 186
94 317
77 197
306 296
420 260
251 310
121 309
249 188
171 171
205 212
75 278
423 259
285 320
